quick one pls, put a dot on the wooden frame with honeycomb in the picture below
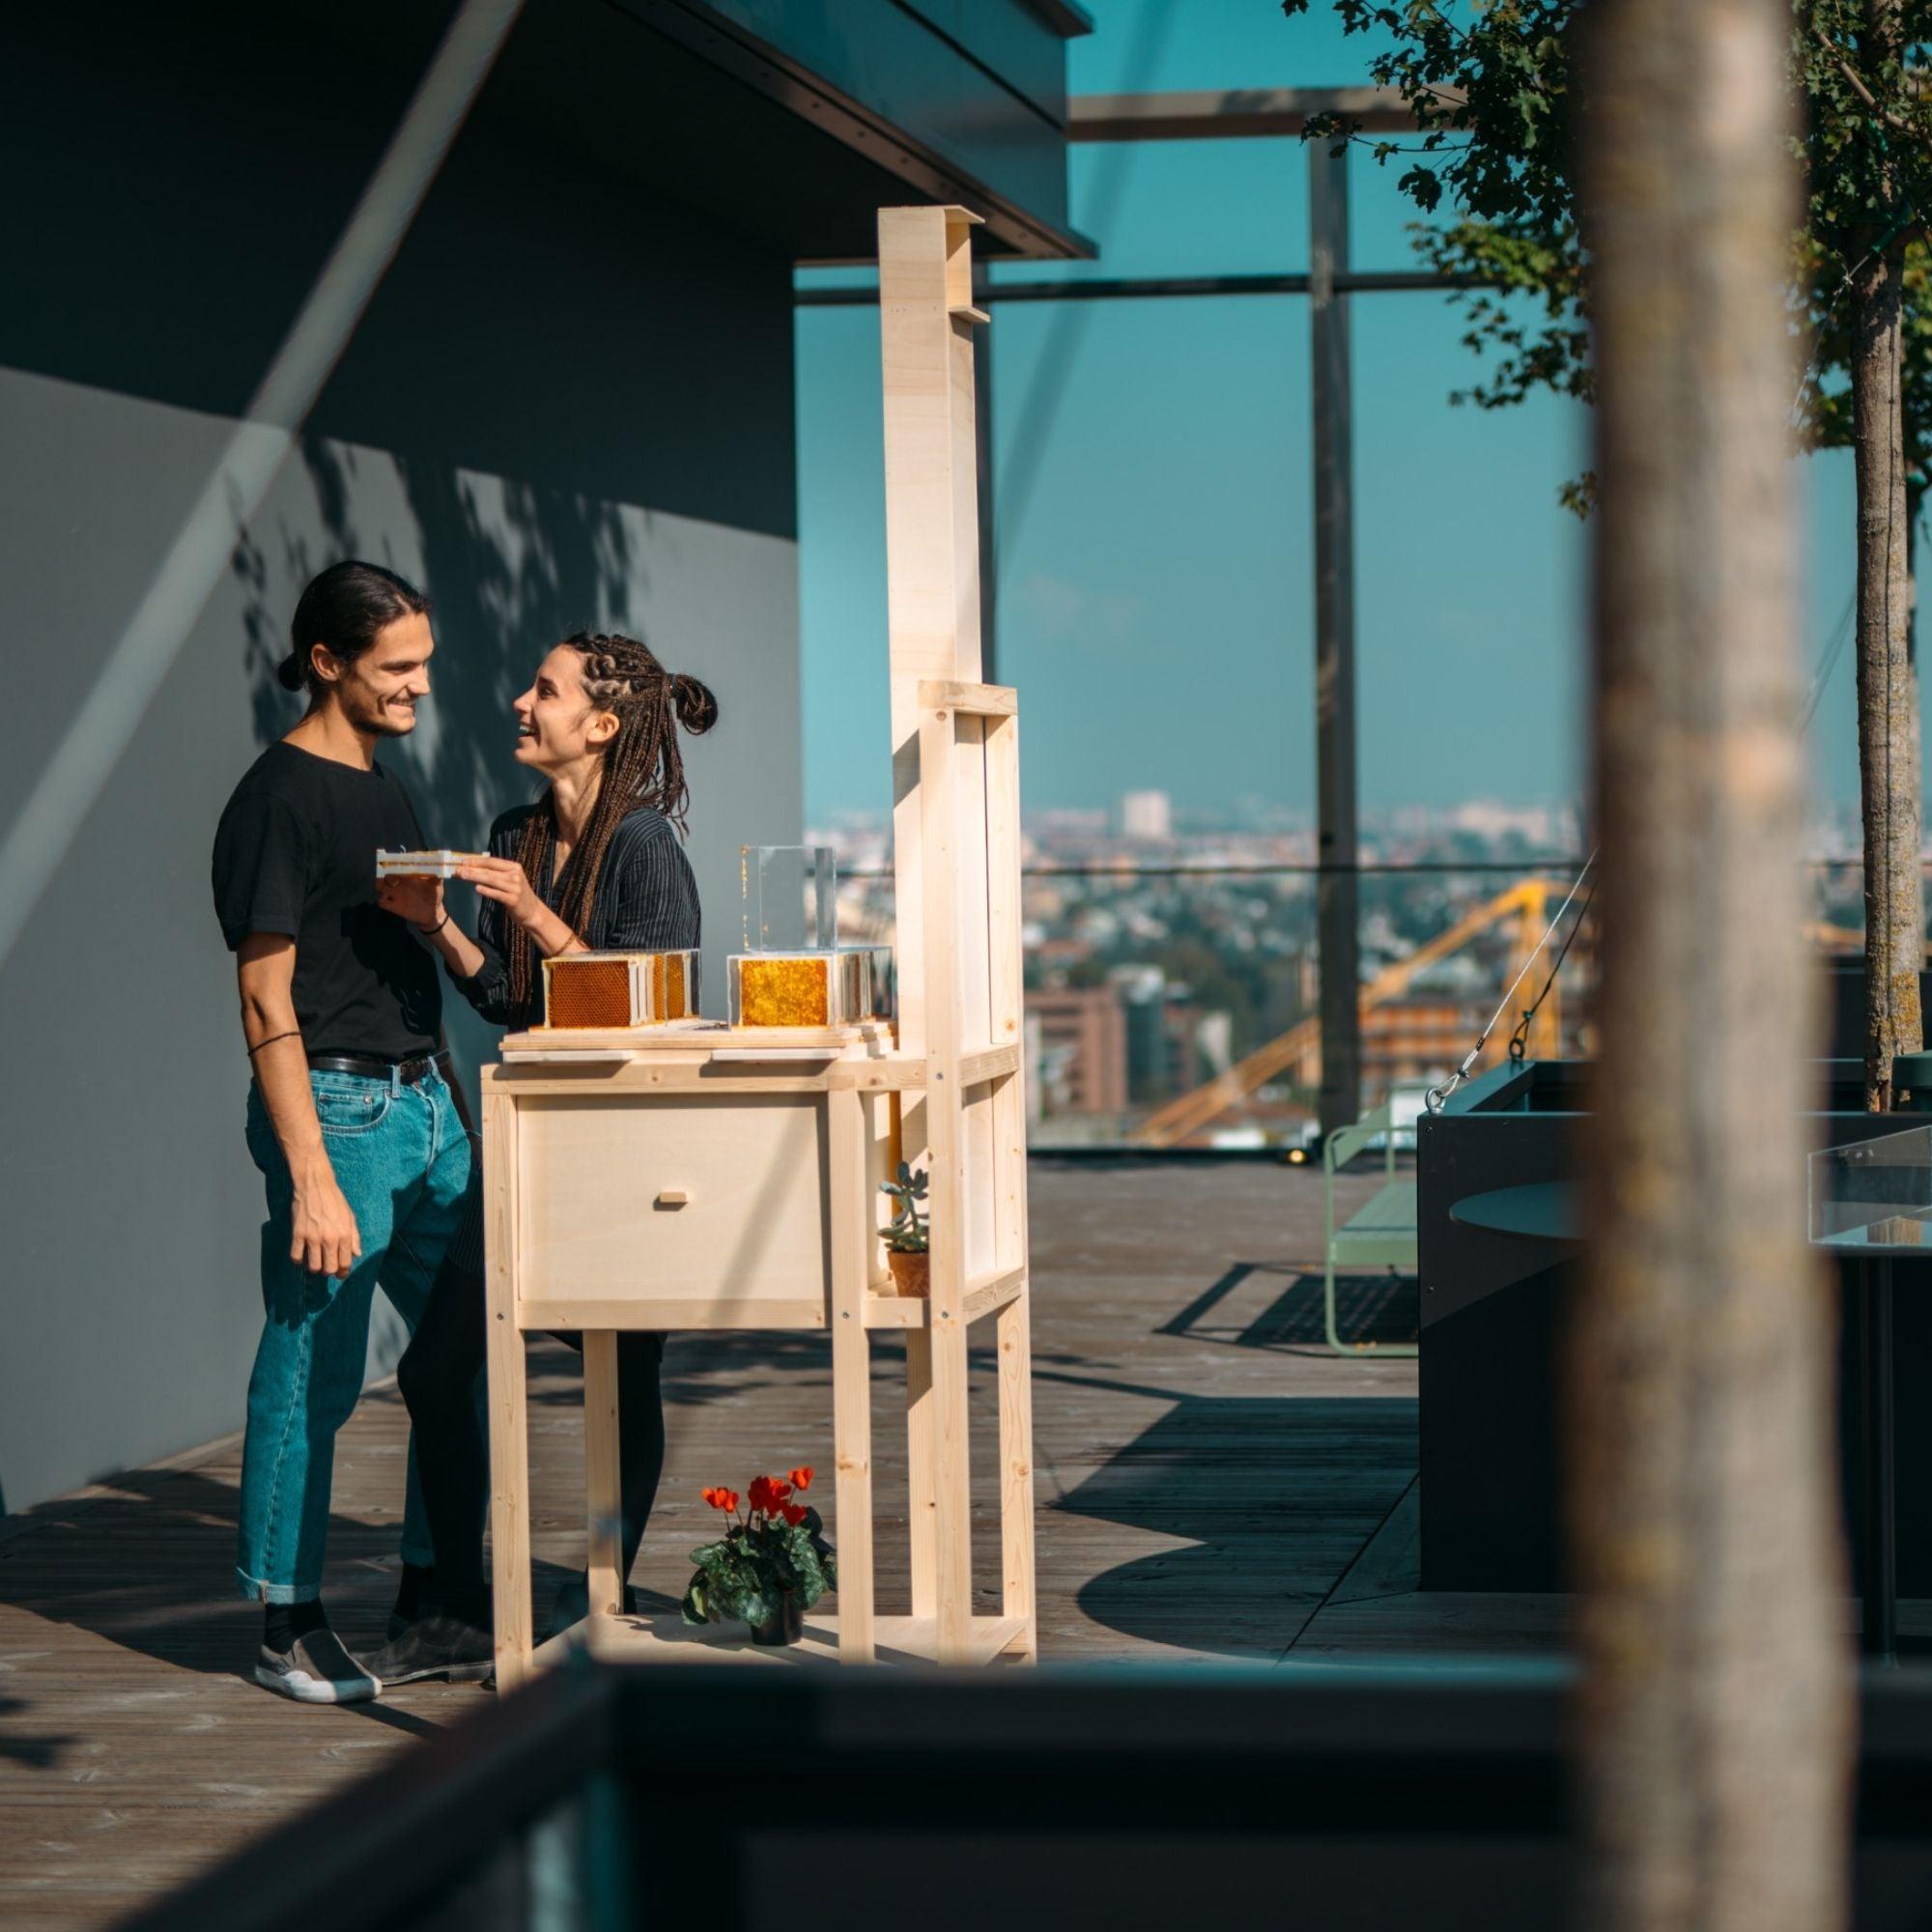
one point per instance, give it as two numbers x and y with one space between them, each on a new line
609 991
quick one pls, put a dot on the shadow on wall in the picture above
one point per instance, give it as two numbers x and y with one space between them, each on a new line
510 567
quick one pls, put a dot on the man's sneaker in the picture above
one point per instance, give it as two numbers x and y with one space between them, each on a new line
437 1645
316 1669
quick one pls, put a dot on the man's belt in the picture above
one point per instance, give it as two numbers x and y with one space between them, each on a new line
371 1067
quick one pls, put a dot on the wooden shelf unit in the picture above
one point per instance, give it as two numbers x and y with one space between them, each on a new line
692 1176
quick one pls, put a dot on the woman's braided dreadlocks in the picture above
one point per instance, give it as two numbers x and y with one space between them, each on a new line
642 766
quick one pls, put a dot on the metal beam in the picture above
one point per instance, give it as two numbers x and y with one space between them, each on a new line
1238 114
1337 896
1137 288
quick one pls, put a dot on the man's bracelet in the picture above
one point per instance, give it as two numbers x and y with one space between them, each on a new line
294 1032
430 931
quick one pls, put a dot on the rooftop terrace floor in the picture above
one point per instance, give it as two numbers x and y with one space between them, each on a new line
1214 1485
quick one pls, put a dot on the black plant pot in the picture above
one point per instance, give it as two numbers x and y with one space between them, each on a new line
785 1625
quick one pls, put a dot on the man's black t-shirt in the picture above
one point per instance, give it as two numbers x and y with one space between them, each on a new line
296 853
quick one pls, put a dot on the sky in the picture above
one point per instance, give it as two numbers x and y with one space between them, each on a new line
1151 463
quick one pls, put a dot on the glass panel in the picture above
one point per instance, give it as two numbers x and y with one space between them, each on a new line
1875 1195
791 898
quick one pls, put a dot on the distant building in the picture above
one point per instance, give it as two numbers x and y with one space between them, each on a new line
1146 814
1081 1056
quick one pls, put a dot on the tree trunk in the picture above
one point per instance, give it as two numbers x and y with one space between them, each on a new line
1888 676
1715 1721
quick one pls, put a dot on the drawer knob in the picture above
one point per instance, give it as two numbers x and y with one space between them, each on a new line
672 1197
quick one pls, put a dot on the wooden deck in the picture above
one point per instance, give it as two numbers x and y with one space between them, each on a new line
1214 1487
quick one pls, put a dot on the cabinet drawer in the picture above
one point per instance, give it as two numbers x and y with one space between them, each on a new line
700 1211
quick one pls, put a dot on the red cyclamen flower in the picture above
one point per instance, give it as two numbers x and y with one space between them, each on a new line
801 1479
793 1513
768 1494
722 1499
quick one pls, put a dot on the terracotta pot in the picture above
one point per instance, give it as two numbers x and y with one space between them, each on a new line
912 1274
785 1625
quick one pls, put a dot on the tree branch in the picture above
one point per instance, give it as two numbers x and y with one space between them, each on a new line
1892 121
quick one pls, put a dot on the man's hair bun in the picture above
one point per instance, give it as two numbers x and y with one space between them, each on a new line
289 672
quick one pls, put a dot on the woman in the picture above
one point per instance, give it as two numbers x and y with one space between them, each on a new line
595 864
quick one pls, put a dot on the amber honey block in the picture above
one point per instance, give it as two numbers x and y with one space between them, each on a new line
589 993
784 989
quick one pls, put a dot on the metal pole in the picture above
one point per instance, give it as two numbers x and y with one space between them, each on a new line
1336 900
983 412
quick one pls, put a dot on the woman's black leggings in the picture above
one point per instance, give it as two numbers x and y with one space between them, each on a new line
438 1377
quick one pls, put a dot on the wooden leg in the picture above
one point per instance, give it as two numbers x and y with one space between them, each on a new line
951 1489
603 1473
1016 1470
919 1503
852 1240
509 1424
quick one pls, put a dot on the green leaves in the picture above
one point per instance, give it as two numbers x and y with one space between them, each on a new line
745 1576
907 1233
1492 89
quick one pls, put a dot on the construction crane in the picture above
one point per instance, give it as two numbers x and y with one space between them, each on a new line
1527 902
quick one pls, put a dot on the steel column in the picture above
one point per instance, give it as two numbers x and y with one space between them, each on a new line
1337 887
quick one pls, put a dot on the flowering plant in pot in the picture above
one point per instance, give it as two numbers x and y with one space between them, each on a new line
907 1254
771 1565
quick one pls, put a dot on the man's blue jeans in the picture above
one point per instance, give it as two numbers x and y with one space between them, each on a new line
405 1166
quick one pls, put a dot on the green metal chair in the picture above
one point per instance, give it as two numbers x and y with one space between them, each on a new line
1379 1235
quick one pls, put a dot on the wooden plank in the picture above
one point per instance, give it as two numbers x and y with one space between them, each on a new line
921 1499
1016 1501
988 1065
883 1310
952 1474
975 700
509 1423
1015 1331
694 1039
668 1314
986 1294
666 1638
604 1486
852 1239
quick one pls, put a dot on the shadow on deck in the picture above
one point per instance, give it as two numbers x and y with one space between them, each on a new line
1211 1485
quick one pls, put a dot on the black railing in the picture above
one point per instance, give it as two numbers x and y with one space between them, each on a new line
743 1800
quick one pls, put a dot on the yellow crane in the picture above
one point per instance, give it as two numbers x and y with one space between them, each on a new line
1527 902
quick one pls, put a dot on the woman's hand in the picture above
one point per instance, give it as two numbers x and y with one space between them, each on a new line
503 880
419 901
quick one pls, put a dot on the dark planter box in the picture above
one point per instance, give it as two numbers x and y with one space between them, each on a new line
1493 1309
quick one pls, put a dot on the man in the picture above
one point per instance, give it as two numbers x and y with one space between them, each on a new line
350 1116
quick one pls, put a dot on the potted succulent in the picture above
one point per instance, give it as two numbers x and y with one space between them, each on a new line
771 1565
905 1234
